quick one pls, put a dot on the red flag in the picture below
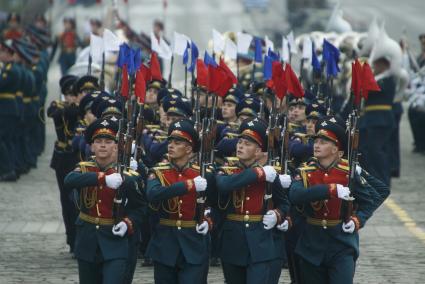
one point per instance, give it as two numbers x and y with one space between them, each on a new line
140 85
155 68
215 77
294 85
368 81
146 73
201 73
228 72
124 82
278 83
356 79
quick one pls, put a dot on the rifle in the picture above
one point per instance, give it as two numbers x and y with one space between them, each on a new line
271 137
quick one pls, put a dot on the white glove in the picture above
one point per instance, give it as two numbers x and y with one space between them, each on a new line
349 227
203 228
133 147
343 192
285 181
133 164
113 180
284 226
270 173
200 183
269 220
358 169
119 229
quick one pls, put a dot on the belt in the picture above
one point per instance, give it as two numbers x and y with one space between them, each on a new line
323 222
26 100
96 220
378 107
7 96
19 94
244 218
178 223
36 99
63 145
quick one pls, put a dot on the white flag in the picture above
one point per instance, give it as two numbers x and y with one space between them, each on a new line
111 41
180 43
292 45
96 48
230 50
218 41
269 44
307 48
243 42
161 47
285 49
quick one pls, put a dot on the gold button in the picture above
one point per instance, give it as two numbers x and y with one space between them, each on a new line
180 175
180 215
100 201
97 227
324 223
100 187
247 225
180 201
309 175
326 174
100 214
246 218
325 214
246 212
179 223
96 220
179 228
247 198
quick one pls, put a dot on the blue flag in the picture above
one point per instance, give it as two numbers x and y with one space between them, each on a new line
186 55
331 57
268 67
130 65
208 60
194 56
123 55
273 55
258 50
314 61
137 58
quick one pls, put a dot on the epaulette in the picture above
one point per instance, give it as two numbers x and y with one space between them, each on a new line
84 165
343 165
162 166
131 172
220 122
228 169
9 66
308 168
231 161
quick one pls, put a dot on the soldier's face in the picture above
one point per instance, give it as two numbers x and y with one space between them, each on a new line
299 113
178 149
89 117
324 148
151 96
228 110
104 148
171 119
247 150
310 126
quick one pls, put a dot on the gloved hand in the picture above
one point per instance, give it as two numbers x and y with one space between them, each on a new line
202 228
358 169
349 227
270 173
284 226
113 180
285 181
343 192
133 147
200 183
133 164
119 229
269 220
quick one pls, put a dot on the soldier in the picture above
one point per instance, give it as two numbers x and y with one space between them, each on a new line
13 29
328 246
103 226
179 244
64 158
249 247
69 42
9 111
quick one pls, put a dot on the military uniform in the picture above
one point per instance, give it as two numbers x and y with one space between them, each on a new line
102 255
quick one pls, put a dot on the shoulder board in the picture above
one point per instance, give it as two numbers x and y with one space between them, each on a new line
130 172
343 167
87 164
220 122
9 66
195 166
307 168
228 169
165 166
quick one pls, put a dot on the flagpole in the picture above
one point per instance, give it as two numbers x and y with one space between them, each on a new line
237 67
102 73
170 76
185 81
89 66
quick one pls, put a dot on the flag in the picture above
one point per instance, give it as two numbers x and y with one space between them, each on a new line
140 86
291 41
161 47
292 82
285 50
124 82
273 55
243 42
201 73
155 69
123 55
267 68
96 48
278 83
186 54
331 57
214 78
146 73
307 48
368 81
258 50
218 41
230 49
180 43
228 72
314 60
194 56
130 64
356 74
208 60
111 41
269 44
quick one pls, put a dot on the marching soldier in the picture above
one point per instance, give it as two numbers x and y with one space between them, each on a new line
328 246
69 42
248 244
180 243
103 225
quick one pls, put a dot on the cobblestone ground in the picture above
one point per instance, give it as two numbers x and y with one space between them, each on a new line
32 240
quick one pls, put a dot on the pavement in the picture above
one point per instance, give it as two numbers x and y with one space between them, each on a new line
32 239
